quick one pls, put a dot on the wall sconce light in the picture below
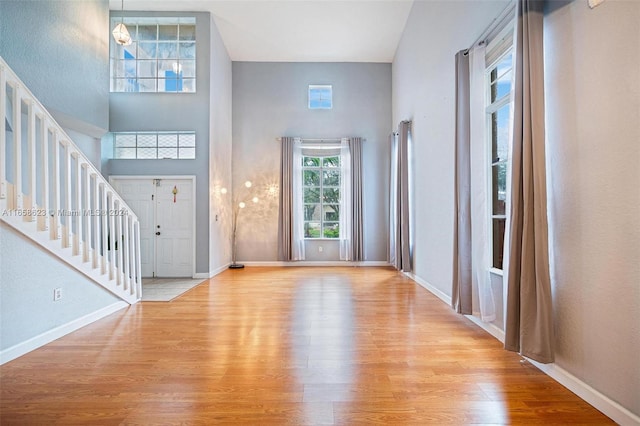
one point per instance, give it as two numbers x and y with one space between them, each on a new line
120 32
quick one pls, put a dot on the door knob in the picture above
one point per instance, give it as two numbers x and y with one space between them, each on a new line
158 233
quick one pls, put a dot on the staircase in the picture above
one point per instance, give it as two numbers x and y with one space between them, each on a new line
51 193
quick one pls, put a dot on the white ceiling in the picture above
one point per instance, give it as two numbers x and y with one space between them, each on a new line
298 30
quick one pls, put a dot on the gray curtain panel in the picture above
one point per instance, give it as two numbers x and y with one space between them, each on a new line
357 236
529 315
401 203
285 213
461 292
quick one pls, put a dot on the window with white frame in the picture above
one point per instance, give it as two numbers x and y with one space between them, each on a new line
321 196
499 60
154 145
161 57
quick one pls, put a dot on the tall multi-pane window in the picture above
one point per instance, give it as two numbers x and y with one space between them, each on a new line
321 196
161 58
499 72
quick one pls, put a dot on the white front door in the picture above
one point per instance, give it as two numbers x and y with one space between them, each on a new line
165 210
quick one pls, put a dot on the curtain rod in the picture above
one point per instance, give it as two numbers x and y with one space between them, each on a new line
495 25
320 140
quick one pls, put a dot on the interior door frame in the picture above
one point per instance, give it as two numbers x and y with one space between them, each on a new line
192 178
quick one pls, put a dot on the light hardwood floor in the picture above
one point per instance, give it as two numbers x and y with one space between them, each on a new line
262 346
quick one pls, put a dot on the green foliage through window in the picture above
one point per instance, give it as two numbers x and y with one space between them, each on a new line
321 196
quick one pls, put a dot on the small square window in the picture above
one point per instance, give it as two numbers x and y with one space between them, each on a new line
320 97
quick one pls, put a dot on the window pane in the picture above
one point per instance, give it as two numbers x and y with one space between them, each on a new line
498 242
147 50
167 32
125 68
312 230
311 161
311 178
147 68
501 88
167 139
500 134
499 182
125 140
188 68
147 32
147 140
331 177
187 32
125 153
331 195
146 85
331 212
187 139
167 152
311 195
187 50
145 153
331 162
189 85
331 230
312 212
187 153
167 50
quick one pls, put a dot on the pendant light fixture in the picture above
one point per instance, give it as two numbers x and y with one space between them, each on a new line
120 32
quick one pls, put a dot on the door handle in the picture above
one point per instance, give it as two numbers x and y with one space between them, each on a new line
158 233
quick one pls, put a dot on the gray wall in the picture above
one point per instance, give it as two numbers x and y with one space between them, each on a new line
424 91
593 133
220 153
68 73
27 308
593 111
60 50
269 101
173 111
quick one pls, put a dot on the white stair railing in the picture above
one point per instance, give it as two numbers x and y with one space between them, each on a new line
51 193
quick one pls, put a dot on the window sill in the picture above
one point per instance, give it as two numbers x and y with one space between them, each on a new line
322 239
496 271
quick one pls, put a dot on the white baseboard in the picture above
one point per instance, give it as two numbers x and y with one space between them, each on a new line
211 274
609 407
316 263
490 328
601 402
438 293
33 343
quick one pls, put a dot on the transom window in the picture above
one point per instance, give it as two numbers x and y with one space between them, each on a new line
498 83
154 145
321 196
161 57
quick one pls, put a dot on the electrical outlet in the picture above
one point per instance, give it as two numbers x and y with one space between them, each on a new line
320 249
57 294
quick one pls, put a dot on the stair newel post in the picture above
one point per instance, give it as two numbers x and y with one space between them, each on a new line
132 254
43 219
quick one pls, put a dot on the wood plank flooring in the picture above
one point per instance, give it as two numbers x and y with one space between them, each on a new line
275 346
